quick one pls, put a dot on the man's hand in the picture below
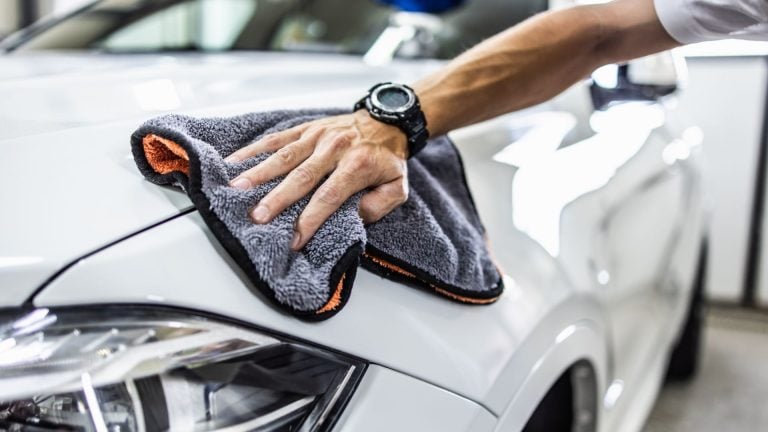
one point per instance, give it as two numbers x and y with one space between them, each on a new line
356 151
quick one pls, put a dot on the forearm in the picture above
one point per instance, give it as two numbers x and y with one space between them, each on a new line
536 60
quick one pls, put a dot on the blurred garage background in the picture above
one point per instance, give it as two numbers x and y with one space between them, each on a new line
726 94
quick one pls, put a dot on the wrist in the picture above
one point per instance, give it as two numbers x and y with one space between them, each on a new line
389 136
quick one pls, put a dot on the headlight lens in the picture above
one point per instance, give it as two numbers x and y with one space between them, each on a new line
156 370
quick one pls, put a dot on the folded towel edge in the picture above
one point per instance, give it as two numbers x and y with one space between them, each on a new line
342 274
385 265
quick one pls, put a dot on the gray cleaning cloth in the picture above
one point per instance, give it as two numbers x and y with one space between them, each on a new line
435 240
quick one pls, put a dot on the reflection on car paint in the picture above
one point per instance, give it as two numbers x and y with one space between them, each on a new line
548 178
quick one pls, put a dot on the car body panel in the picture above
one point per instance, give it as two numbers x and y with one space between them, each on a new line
379 404
179 263
79 191
616 209
561 198
579 345
49 91
67 200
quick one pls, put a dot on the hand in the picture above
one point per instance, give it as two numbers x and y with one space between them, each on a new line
356 151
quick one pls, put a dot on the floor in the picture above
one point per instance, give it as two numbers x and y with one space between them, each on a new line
731 391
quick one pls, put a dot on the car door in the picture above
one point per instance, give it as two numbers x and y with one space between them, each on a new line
643 214
644 211
602 187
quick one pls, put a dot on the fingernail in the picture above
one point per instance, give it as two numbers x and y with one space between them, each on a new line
231 158
260 214
240 183
296 240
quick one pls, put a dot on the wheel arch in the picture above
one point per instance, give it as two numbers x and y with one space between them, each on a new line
570 405
577 359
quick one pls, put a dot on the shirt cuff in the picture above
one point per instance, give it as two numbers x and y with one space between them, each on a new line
678 21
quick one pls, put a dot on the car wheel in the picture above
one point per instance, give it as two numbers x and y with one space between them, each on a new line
684 360
555 412
570 405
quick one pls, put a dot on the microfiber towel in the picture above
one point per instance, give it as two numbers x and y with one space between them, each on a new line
435 240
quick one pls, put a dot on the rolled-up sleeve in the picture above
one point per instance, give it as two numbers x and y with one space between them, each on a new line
690 21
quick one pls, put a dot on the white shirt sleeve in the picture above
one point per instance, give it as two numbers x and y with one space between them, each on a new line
690 21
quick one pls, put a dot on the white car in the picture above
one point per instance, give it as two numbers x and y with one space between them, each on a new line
120 311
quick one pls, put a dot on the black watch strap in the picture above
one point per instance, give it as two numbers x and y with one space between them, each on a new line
417 133
413 123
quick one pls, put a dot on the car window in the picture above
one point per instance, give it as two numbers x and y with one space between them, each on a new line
217 25
339 26
206 24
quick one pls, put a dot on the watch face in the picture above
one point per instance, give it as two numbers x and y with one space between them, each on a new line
393 98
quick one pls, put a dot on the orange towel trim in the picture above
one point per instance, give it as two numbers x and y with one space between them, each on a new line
164 155
335 300
442 291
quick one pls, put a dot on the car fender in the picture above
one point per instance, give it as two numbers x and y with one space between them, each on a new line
563 339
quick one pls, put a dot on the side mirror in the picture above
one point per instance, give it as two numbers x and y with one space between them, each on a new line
646 79
409 35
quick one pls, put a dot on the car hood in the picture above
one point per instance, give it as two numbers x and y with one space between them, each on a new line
70 186
72 189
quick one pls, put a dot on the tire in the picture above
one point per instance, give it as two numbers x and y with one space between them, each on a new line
684 361
555 412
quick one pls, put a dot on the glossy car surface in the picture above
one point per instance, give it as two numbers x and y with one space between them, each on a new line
594 217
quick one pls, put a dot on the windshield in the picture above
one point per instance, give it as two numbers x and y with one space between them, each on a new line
337 26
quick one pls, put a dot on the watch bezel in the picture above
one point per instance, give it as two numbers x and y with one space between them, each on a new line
374 98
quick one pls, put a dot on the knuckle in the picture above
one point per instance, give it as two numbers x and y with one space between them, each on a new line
270 142
400 195
361 161
315 130
335 144
371 213
286 155
308 221
329 194
304 175
339 142
371 208
311 135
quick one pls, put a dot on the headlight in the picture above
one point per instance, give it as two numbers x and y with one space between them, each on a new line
113 370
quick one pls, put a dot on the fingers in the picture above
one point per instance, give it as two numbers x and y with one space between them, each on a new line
341 185
325 152
281 162
355 152
297 184
267 143
383 199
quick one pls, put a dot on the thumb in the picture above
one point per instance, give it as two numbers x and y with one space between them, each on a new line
381 200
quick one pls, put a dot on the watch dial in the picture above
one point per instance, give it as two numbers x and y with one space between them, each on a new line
392 98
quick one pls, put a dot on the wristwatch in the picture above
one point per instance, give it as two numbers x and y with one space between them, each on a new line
398 105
